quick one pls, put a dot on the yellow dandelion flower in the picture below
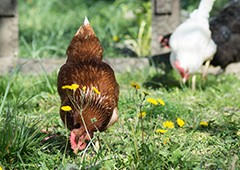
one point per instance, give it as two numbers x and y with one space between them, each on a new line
166 141
67 87
160 101
204 124
162 131
168 124
142 114
152 101
74 86
135 85
238 133
66 108
0 168
180 122
84 88
95 90
115 38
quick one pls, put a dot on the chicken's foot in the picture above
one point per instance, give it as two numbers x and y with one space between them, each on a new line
205 69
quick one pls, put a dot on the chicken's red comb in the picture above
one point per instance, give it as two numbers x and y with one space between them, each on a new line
73 143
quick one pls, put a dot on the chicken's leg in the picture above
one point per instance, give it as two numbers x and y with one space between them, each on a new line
194 82
205 69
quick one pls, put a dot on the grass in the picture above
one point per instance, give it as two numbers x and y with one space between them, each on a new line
29 109
39 38
32 135
123 26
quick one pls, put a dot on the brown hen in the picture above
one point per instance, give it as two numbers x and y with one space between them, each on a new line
88 89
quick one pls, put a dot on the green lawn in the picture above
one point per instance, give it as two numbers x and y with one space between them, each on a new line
32 135
30 105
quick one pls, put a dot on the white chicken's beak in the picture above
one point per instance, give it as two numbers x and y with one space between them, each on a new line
184 80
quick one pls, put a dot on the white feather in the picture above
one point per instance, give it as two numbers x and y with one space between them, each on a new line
191 43
85 21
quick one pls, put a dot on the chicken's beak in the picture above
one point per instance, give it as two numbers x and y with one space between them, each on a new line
185 77
184 80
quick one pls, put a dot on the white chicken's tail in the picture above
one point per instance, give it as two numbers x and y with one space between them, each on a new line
204 9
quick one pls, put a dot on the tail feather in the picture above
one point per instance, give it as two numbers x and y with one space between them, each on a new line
204 9
85 45
86 21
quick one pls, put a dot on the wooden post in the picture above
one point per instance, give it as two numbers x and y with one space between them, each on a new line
165 18
8 33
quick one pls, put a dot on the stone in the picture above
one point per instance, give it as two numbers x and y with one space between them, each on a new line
8 29
165 18
119 65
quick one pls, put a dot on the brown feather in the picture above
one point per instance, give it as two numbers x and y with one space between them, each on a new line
84 46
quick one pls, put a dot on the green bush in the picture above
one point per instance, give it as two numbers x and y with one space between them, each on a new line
123 26
47 27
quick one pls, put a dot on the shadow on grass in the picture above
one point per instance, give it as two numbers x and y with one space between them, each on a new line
167 81
54 142
166 77
226 129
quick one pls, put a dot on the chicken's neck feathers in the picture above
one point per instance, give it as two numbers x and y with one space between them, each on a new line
192 60
85 45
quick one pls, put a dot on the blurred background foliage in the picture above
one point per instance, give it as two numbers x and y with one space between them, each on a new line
123 26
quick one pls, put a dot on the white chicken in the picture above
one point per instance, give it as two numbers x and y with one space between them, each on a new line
191 43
